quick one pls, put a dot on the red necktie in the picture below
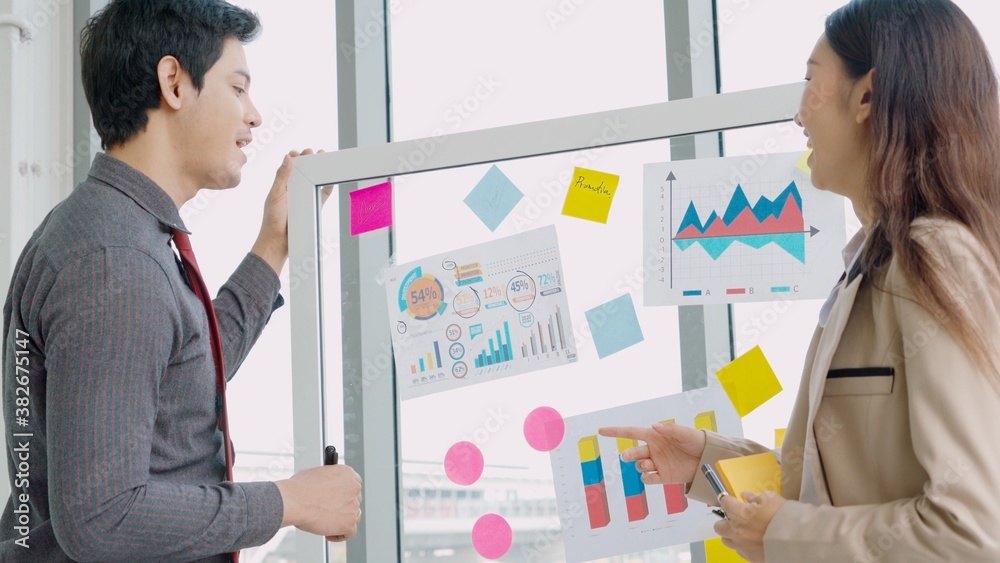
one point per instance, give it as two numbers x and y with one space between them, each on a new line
183 244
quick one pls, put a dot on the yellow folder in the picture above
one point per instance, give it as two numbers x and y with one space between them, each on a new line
754 473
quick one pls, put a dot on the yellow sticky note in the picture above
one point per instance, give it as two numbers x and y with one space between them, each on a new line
590 195
803 164
754 473
779 438
749 381
717 552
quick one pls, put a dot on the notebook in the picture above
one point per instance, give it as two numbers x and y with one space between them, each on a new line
754 473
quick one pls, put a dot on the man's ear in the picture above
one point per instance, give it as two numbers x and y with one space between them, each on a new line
863 93
171 77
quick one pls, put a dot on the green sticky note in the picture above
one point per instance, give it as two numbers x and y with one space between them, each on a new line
590 195
749 381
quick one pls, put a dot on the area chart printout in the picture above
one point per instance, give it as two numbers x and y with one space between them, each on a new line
604 507
732 230
480 313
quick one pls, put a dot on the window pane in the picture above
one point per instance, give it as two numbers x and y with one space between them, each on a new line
522 61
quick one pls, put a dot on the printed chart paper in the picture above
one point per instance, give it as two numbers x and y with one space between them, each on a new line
480 313
737 230
604 508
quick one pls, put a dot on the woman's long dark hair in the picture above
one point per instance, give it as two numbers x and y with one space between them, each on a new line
935 130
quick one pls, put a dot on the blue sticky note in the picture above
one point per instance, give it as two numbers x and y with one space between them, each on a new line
614 326
493 198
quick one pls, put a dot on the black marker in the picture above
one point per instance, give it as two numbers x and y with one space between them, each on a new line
330 455
717 487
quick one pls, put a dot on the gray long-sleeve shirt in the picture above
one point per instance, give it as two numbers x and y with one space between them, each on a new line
109 392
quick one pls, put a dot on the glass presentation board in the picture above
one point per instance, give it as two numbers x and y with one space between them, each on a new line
476 458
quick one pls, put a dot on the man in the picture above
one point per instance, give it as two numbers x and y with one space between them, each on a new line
110 391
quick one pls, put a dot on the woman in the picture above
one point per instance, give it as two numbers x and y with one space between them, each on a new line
891 453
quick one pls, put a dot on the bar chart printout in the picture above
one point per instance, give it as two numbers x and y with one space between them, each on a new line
622 514
477 314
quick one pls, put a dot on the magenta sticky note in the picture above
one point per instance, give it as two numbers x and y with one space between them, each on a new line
371 208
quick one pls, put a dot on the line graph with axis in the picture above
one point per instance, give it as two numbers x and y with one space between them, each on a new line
738 229
780 222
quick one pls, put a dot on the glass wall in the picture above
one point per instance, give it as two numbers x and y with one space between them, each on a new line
298 110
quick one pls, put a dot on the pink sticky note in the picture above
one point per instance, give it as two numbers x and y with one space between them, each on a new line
371 208
544 428
464 463
492 536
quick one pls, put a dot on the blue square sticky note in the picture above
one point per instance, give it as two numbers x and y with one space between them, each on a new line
493 198
614 326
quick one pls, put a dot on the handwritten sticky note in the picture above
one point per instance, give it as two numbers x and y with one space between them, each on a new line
752 473
590 195
749 381
779 438
717 552
371 208
614 326
803 164
493 198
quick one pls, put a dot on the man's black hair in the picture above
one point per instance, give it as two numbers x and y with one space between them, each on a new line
121 46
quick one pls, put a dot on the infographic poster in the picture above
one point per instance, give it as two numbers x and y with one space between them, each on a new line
604 507
480 313
736 230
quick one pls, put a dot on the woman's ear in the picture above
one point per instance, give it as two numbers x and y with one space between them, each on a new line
863 95
170 75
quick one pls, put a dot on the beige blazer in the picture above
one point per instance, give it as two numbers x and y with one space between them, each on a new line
903 426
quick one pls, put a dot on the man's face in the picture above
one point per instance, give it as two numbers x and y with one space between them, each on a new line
218 125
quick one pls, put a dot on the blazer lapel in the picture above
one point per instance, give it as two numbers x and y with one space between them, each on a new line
825 350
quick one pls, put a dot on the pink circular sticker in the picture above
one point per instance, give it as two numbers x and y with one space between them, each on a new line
463 463
492 536
544 428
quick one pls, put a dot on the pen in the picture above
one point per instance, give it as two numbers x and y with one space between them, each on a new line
717 487
330 455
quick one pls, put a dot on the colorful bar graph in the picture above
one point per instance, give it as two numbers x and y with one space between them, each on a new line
677 501
500 349
635 490
429 362
593 482
548 337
